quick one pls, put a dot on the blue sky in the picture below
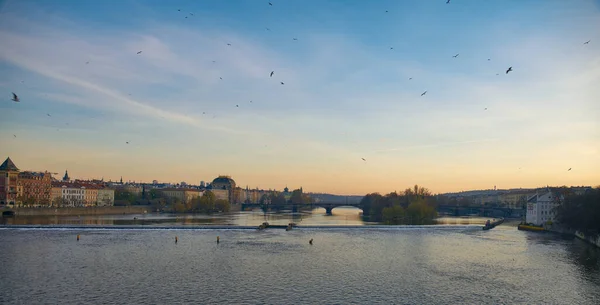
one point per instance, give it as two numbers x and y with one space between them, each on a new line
347 94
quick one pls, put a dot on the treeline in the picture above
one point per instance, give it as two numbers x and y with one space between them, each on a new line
414 206
580 212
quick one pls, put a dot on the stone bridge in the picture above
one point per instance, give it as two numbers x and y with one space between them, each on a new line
328 206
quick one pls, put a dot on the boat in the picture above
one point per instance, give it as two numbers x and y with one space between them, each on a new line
525 227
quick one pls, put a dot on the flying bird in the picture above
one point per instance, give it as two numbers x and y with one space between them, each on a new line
228 44
127 142
48 114
569 169
268 29
489 59
509 69
192 14
455 56
15 135
250 101
409 78
424 93
295 38
364 159
87 62
271 4
485 108
15 98
386 11
203 112
448 2
139 52
272 72
179 10
391 48
282 83
220 78
587 42
237 105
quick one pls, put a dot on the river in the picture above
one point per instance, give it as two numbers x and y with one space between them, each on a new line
447 264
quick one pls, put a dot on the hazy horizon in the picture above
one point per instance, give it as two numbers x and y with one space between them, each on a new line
84 92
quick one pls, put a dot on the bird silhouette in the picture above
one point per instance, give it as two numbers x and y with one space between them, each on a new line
391 48
386 11
15 98
272 72
455 56
87 62
569 169
48 114
587 42
485 108
15 135
127 142
423 93
509 69
489 59
409 78
364 159
310 241
268 29
282 83
192 14
271 4
179 10
220 78
295 38
139 52
228 44
448 2
237 105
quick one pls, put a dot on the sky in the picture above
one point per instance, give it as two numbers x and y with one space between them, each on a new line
350 118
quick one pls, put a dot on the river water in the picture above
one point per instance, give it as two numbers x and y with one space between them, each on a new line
448 264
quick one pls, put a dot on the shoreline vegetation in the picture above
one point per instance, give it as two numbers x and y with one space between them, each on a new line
414 206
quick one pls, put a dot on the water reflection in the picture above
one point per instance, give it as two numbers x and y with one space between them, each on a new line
342 216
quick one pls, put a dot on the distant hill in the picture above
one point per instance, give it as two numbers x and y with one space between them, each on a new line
320 197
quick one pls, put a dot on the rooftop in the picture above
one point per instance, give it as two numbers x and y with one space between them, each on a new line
8 165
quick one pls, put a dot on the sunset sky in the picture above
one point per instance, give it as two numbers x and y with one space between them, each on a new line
347 93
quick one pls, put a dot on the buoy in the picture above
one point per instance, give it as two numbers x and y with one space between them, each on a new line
218 239
77 236
175 239
310 241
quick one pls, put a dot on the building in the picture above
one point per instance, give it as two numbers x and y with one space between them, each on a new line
541 207
9 175
90 194
66 177
106 196
220 194
183 195
227 184
515 199
68 194
34 188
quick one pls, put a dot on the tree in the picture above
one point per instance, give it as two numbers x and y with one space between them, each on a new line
580 212
222 205
414 206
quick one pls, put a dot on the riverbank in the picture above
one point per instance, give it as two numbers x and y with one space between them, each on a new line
82 211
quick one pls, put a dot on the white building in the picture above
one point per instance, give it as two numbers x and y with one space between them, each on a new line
72 194
541 208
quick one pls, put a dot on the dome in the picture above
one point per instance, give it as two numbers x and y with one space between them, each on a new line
223 180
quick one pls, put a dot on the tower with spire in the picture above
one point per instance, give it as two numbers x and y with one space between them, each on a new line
66 177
